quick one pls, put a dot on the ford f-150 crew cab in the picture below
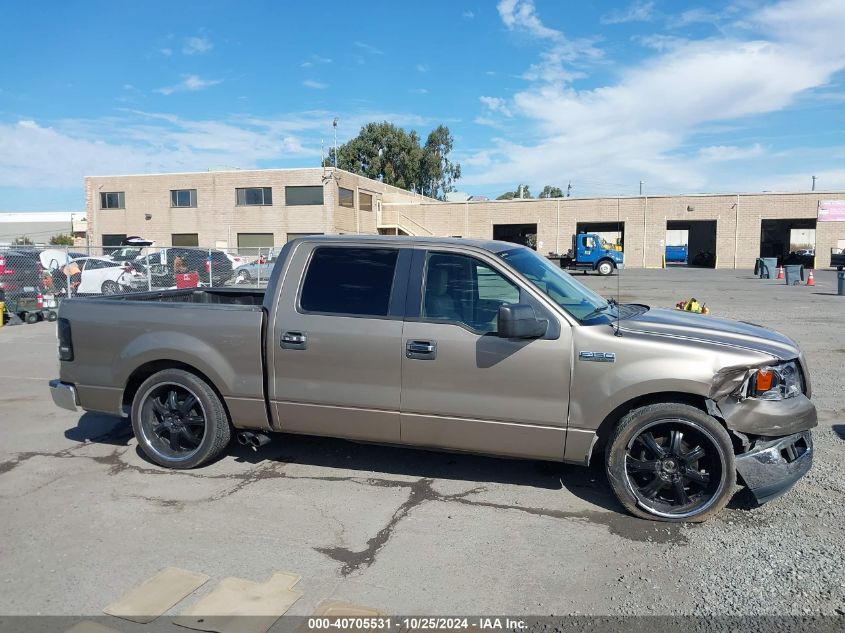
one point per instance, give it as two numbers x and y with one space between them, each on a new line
451 344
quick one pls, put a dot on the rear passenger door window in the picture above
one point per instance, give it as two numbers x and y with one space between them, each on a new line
464 290
349 281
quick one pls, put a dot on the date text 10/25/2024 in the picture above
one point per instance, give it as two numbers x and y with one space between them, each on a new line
415 623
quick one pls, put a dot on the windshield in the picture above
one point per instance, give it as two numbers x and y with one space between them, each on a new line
559 286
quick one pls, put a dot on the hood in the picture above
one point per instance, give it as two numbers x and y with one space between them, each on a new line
713 330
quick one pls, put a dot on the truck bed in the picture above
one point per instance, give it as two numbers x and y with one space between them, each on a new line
226 296
119 339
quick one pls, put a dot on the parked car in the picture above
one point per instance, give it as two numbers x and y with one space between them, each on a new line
464 345
163 271
837 258
260 269
240 260
102 275
20 271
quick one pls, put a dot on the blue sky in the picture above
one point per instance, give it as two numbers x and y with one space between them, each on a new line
738 95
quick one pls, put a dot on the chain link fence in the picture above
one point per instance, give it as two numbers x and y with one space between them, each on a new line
33 280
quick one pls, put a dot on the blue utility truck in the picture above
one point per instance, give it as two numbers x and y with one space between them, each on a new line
590 252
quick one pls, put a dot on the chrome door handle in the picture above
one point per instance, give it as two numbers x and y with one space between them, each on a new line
421 350
294 340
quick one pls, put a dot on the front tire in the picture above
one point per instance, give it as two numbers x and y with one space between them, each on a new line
605 268
179 420
671 462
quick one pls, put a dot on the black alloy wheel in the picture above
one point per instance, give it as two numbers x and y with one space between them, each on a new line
173 421
674 468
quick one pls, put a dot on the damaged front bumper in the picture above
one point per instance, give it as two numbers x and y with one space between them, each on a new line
772 466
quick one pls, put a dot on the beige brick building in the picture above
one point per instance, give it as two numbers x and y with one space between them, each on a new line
243 209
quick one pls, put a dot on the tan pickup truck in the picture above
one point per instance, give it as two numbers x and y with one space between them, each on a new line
450 344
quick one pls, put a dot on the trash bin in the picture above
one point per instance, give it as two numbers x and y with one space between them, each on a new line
840 283
794 274
766 267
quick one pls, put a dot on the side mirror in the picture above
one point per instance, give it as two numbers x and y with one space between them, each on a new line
518 320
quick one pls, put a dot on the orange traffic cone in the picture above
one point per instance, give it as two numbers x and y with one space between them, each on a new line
780 273
810 280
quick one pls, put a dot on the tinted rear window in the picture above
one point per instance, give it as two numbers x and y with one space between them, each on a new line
354 281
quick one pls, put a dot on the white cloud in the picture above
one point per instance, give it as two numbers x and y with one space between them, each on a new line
189 83
316 85
558 61
641 124
59 155
714 153
468 15
521 14
638 11
418 91
496 104
197 45
369 48
421 68
167 52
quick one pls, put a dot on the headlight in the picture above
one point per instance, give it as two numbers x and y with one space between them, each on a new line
776 382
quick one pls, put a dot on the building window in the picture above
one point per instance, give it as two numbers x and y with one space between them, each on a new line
255 196
183 198
250 243
365 201
112 200
295 196
349 281
295 236
111 242
185 239
346 198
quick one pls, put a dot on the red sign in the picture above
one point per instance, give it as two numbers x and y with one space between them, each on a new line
832 211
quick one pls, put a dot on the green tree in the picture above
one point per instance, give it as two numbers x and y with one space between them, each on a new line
386 152
510 195
61 240
551 192
438 173
23 240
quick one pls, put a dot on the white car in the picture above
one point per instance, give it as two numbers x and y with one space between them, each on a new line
102 275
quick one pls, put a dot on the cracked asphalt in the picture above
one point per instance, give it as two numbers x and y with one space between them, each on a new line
85 517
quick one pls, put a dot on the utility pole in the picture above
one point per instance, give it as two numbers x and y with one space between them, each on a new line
334 125
569 189
814 183
641 187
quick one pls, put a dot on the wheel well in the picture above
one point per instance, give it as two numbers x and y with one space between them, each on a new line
143 372
606 259
612 419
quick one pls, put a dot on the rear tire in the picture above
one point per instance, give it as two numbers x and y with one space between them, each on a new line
32 317
110 288
671 462
179 420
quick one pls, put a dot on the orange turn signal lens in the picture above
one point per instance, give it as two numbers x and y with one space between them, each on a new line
765 379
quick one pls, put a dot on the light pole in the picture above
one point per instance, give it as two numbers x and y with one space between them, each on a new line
641 187
814 183
334 125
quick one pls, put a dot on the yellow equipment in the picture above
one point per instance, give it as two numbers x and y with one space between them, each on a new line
692 305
